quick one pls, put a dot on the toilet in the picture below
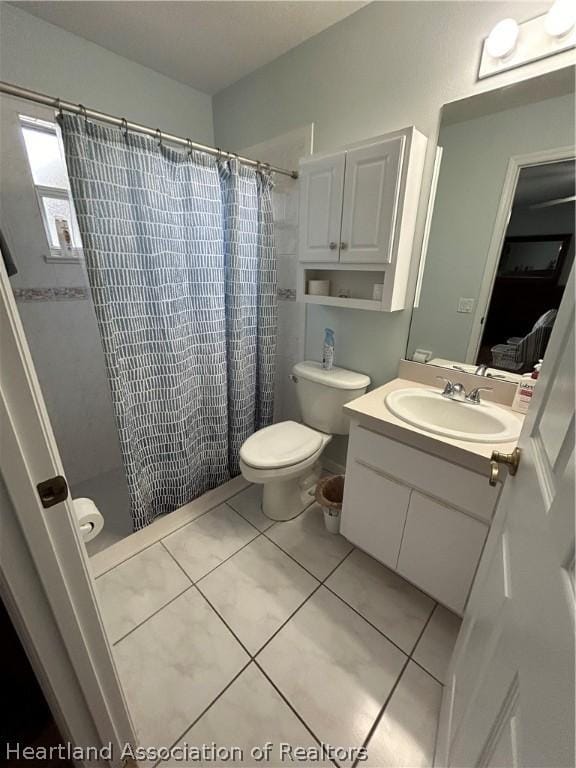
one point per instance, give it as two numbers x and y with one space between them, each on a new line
284 457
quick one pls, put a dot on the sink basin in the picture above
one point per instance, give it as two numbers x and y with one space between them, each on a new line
476 423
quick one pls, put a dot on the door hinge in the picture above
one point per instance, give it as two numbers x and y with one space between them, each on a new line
53 491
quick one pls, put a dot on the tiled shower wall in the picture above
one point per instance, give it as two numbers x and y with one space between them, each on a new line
285 151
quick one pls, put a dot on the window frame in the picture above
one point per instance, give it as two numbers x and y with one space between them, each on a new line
55 254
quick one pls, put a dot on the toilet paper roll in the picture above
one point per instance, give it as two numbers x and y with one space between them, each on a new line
89 519
318 287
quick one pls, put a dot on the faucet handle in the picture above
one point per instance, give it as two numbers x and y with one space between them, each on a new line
448 387
474 396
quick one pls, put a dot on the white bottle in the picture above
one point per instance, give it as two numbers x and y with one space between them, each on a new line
328 349
64 236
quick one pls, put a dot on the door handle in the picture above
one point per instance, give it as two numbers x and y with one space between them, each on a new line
52 491
333 246
343 246
512 461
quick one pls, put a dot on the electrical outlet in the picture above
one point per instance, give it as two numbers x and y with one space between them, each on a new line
465 305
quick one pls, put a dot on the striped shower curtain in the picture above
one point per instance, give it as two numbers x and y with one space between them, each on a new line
180 259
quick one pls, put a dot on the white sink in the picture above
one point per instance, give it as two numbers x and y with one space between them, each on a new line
476 423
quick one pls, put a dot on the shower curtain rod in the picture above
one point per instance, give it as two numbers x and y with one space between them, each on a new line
121 122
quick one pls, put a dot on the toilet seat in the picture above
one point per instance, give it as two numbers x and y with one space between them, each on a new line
281 445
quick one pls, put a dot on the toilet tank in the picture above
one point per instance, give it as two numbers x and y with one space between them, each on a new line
321 395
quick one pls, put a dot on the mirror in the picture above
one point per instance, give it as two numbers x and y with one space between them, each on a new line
501 233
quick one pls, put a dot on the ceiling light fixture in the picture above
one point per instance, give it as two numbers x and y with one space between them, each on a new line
561 18
503 38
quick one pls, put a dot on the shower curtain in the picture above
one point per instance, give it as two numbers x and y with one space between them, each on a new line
181 264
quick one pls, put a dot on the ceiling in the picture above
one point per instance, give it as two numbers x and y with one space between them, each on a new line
541 183
207 45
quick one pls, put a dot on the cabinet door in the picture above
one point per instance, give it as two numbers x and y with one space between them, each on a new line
321 189
370 207
374 512
440 550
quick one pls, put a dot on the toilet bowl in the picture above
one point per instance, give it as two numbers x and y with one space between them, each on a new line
285 458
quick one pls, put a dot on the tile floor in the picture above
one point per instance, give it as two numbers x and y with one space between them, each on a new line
237 631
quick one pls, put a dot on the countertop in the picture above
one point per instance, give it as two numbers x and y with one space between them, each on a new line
370 411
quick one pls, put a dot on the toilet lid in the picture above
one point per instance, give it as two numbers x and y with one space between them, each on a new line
280 445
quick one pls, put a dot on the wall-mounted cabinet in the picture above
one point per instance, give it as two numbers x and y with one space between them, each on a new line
358 212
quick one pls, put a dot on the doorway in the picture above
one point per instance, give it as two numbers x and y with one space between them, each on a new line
534 262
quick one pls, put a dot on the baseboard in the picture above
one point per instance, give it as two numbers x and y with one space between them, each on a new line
333 466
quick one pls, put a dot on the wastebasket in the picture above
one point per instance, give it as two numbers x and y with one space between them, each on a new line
329 494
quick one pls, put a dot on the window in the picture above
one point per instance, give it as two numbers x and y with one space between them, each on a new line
46 157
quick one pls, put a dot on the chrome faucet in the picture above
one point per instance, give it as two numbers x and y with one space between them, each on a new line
481 370
452 391
456 391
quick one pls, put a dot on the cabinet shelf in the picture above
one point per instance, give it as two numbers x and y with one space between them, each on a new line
337 301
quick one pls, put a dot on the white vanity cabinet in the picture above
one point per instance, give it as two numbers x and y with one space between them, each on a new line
357 217
418 514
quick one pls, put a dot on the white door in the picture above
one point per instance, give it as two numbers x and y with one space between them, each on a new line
510 699
321 189
45 516
370 207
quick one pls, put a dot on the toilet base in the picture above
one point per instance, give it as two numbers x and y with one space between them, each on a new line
284 500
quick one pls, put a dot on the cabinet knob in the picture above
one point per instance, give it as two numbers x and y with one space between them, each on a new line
333 246
343 246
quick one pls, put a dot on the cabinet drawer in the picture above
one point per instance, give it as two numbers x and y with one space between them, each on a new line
451 483
440 550
374 513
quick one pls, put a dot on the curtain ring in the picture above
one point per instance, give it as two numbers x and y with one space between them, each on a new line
124 127
190 149
159 136
84 113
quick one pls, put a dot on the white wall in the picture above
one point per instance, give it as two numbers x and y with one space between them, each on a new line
46 58
474 165
62 334
285 151
389 65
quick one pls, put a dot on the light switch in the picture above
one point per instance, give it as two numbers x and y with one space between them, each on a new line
465 305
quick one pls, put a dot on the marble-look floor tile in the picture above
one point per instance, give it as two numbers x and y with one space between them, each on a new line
247 715
334 669
406 735
137 588
248 503
256 590
387 600
308 541
204 543
437 643
174 665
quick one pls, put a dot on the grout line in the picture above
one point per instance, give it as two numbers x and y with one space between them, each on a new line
295 611
287 702
356 611
157 541
427 672
320 584
376 722
253 657
140 624
227 558
193 723
223 620
424 627
165 548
